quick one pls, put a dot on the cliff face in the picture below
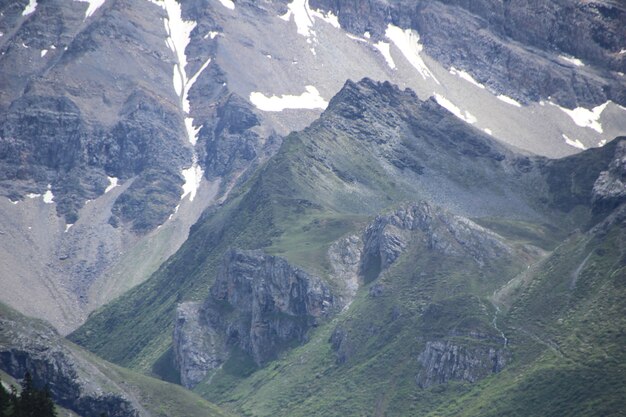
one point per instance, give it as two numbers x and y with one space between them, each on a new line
74 383
609 190
443 361
272 303
495 42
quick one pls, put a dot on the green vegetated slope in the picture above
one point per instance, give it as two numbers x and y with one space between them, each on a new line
374 148
78 378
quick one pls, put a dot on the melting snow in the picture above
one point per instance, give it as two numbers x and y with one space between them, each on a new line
448 105
383 47
407 41
509 100
228 4
30 8
310 99
304 18
585 117
572 60
575 143
193 177
44 52
93 6
112 184
48 197
466 76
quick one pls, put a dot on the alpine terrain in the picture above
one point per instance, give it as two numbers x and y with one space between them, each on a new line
313 207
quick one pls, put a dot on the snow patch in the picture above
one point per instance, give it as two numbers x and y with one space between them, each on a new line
448 105
602 143
509 100
193 177
304 18
33 195
68 227
585 117
488 131
53 47
383 47
622 52
44 52
30 8
93 6
466 76
14 202
48 197
112 184
575 143
211 35
572 60
229 4
310 99
407 41
367 35
24 45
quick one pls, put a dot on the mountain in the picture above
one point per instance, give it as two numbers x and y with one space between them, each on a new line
314 207
309 261
122 120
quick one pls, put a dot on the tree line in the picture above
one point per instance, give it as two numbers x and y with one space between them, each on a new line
29 402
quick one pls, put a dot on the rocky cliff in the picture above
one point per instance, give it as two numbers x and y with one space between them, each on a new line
74 382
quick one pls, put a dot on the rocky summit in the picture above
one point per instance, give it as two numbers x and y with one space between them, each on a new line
313 207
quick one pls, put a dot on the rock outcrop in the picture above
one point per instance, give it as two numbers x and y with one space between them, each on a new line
197 348
28 345
388 236
443 361
609 190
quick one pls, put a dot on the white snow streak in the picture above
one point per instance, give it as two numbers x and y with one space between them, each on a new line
211 34
310 99
575 143
179 32
572 60
33 195
68 226
488 131
466 76
355 38
602 143
30 8
407 41
44 52
622 52
448 105
48 197
112 184
585 117
93 6
383 47
509 100
228 4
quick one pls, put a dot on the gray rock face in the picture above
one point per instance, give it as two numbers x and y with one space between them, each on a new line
387 237
609 190
495 42
443 361
74 384
262 304
197 348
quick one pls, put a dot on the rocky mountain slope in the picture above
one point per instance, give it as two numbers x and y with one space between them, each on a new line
122 120
415 283
82 383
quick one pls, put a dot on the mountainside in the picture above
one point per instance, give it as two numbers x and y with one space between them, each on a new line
417 283
122 120
314 207
83 383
